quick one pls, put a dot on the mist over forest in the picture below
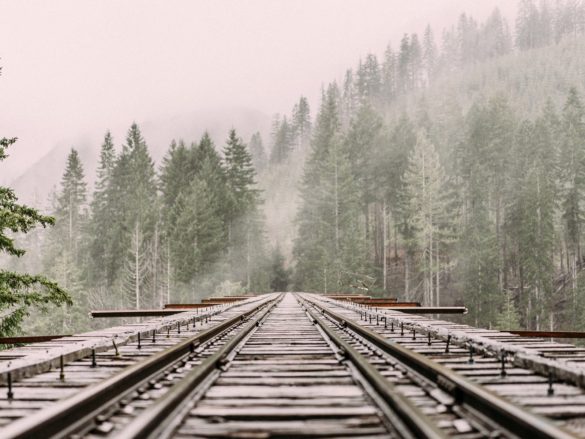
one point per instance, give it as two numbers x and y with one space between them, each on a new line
448 170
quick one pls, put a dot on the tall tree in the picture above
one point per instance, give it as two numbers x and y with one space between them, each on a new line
329 241
245 224
258 153
20 292
422 208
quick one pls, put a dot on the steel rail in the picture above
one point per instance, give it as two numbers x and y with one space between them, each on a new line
514 419
159 418
405 417
71 414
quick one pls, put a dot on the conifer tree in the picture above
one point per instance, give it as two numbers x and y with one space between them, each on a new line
422 207
20 292
330 242
279 276
301 122
245 229
71 210
100 216
258 153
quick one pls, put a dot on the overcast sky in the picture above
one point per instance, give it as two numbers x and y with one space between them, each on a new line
71 67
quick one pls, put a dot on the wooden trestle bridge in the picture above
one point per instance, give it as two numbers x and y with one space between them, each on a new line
293 365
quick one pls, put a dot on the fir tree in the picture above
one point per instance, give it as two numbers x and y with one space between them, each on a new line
258 153
20 292
280 276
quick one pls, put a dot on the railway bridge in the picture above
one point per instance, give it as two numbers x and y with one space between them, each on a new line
293 365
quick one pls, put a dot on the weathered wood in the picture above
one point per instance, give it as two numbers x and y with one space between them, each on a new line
547 334
30 339
135 312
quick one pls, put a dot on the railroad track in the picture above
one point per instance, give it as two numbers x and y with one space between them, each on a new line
294 365
522 371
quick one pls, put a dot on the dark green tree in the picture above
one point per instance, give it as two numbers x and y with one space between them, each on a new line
20 292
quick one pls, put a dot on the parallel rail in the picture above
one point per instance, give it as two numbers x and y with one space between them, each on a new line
73 414
465 393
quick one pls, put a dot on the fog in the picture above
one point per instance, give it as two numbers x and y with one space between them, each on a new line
72 69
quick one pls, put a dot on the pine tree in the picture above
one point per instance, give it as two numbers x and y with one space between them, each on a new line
573 172
258 153
389 75
70 210
100 216
65 243
133 197
422 207
244 222
282 142
301 123
530 219
329 242
369 80
429 56
280 276
197 236
20 292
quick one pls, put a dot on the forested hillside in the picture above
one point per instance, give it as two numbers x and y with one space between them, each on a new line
452 172
448 170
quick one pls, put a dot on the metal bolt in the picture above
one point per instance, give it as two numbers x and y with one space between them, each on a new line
10 394
93 362
62 366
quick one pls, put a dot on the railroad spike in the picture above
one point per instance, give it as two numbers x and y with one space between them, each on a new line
503 372
93 362
62 367
447 345
139 344
10 394
551 390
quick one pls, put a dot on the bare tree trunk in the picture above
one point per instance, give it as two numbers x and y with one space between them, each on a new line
248 283
384 256
137 265
168 272
155 285
438 296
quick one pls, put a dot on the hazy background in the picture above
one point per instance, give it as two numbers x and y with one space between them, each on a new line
72 69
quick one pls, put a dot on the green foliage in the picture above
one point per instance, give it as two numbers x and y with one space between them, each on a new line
19 293
280 275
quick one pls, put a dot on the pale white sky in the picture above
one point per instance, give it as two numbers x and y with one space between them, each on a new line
77 66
